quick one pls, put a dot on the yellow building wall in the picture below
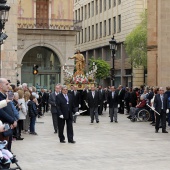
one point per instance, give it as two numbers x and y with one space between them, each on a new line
25 8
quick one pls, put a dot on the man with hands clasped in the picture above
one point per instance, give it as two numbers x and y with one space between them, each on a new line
160 105
65 110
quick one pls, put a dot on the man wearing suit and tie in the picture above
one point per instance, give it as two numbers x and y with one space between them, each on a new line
113 102
121 96
77 101
93 102
101 99
44 100
160 104
52 101
65 110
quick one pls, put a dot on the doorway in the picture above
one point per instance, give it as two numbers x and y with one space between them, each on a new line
49 69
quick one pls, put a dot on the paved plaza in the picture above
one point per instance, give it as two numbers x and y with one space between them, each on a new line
99 146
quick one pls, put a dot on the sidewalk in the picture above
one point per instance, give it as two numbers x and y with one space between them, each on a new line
99 146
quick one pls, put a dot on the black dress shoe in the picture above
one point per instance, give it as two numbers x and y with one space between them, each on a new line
129 117
19 138
164 131
97 121
91 121
72 141
111 121
62 141
116 121
156 131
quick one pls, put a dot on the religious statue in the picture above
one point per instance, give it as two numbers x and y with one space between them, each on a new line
80 63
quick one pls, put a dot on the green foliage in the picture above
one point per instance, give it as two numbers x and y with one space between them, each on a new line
103 68
136 43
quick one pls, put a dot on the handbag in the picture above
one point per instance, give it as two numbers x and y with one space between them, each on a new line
7 133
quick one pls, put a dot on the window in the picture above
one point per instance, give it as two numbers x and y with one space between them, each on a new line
100 6
85 11
97 7
109 26
119 2
79 38
114 24
89 10
100 29
96 31
92 32
119 20
105 4
85 36
104 27
76 38
114 3
110 4
89 33
82 36
92 8
81 13
76 15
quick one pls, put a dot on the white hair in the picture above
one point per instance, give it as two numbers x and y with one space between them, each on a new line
24 85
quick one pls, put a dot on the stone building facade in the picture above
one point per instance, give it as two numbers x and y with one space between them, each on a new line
40 32
100 20
158 43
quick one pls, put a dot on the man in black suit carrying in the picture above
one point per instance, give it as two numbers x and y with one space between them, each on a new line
101 99
44 100
65 110
121 95
52 101
160 104
77 101
112 101
93 102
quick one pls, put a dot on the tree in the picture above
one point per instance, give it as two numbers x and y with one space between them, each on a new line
136 43
103 68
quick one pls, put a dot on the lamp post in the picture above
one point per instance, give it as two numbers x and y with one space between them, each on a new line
4 13
113 48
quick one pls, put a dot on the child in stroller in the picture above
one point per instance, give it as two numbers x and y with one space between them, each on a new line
5 155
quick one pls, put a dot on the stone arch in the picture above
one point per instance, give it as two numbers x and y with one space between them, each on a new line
53 48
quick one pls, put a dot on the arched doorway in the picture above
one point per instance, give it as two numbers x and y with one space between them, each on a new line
49 69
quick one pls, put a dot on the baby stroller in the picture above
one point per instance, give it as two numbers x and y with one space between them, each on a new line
7 158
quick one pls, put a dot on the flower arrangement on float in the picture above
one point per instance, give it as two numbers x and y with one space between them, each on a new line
79 79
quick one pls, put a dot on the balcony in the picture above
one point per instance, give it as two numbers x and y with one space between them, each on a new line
53 24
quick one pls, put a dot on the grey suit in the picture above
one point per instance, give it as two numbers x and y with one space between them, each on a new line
52 101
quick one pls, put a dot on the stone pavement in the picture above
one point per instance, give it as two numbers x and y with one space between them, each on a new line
104 146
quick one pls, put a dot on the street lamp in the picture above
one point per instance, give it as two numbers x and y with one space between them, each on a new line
113 48
4 13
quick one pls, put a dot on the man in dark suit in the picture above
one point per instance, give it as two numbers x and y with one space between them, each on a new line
44 100
6 113
112 101
52 101
84 99
77 101
93 102
121 95
160 104
101 99
65 110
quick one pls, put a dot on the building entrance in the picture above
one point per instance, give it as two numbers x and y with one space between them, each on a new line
49 69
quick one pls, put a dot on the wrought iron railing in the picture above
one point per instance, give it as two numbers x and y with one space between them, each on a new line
55 24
